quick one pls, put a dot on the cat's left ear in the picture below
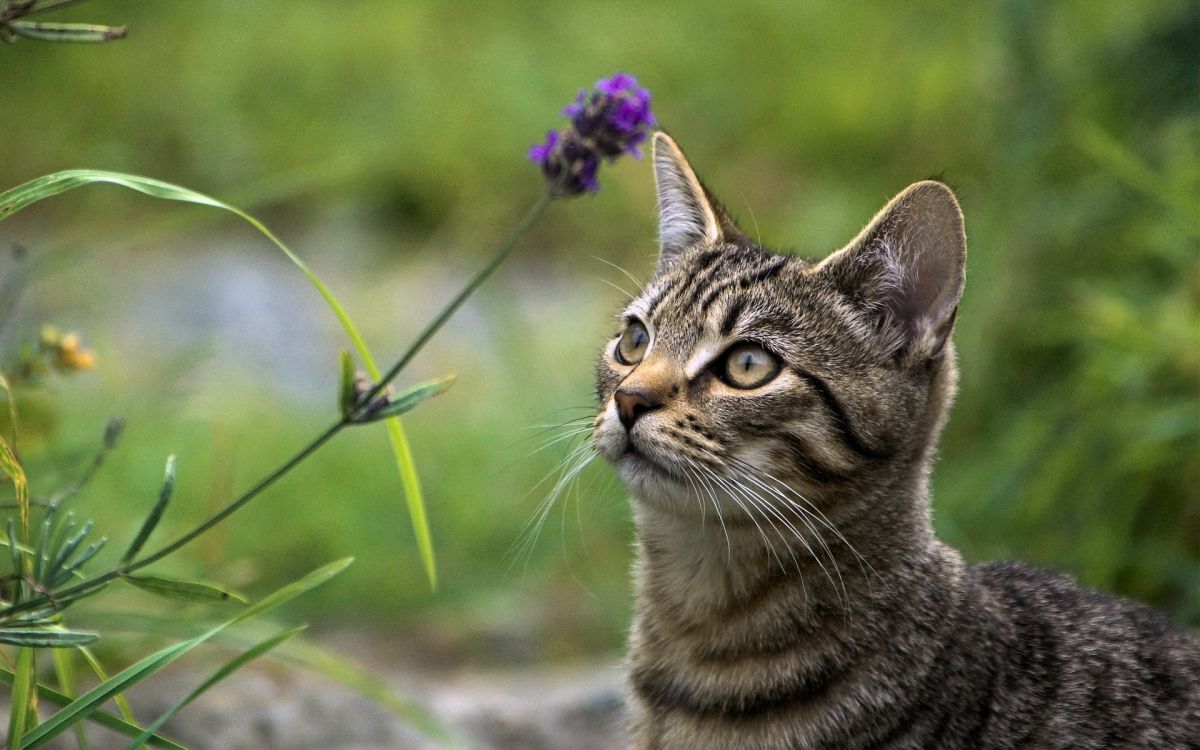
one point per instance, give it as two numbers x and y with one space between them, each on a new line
905 271
687 215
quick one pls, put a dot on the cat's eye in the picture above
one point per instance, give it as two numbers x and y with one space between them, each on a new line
633 344
747 366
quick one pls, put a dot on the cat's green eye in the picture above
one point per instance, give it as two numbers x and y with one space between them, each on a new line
633 344
748 366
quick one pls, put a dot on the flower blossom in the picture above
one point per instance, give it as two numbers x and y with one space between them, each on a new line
612 119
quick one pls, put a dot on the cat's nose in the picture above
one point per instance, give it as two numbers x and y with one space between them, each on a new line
633 403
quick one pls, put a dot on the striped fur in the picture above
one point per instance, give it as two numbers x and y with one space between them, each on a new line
790 591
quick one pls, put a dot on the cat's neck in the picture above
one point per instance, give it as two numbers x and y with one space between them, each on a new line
694 565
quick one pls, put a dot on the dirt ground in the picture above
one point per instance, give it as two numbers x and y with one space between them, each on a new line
270 706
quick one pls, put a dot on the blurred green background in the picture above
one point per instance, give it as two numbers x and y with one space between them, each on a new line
385 142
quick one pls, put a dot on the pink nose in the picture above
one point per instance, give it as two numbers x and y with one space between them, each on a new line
633 403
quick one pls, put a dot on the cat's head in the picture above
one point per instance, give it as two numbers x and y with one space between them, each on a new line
738 370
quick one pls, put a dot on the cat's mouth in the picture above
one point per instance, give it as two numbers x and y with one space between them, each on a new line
637 459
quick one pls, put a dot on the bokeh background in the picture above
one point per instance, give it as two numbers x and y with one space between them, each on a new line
385 142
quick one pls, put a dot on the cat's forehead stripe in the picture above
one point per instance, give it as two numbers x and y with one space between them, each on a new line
699 280
754 275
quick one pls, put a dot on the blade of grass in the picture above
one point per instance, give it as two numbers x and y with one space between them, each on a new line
67 32
226 670
155 515
22 696
35 638
85 704
178 588
64 671
102 675
17 198
413 397
129 728
12 467
10 406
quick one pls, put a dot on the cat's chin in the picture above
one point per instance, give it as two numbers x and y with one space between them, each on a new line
649 479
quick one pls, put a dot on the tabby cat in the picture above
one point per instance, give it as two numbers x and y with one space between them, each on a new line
775 420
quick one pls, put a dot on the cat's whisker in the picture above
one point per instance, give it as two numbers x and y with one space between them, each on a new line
803 515
618 288
705 470
575 460
568 435
815 512
716 509
758 502
765 505
641 288
750 472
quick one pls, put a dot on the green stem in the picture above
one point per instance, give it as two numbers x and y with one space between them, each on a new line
327 434
481 276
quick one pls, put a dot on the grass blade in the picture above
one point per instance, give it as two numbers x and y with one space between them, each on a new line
164 497
12 467
410 398
15 199
64 670
24 680
226 670
346 391
10 405
85 704
102 675
129 728
42 638
178 588
67 32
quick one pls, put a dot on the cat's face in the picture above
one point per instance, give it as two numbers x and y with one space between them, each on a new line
739 376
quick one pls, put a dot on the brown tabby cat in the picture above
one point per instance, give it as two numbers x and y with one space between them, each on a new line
775 420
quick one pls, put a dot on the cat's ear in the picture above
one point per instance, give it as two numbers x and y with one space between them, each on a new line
687 214
905 271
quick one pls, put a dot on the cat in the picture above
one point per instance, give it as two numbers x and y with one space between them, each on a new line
775 421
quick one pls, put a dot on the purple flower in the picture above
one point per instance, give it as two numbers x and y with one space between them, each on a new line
617 84
539 153
611 120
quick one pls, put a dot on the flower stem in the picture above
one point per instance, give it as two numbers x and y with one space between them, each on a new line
98 581
481 276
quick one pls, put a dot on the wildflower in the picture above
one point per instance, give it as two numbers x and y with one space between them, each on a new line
611 120
66 351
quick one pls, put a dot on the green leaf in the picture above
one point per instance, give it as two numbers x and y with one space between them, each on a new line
156 513
178 588
67 32
410 398
10 405
23 685
64 670
98 670
346 391
17 198
12 467
104 719
226 670
87 703
43 638
402 453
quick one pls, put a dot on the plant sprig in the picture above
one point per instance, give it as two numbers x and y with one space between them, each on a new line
13 27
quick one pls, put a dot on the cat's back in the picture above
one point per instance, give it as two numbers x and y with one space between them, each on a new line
1075 668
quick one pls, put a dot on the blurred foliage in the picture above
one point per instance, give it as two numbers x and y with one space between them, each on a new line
387 140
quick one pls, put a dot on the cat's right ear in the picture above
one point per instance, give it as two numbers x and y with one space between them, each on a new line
905 271
687 215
